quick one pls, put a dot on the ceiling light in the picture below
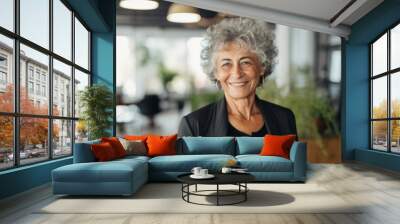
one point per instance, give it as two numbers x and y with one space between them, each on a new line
182 14
138 4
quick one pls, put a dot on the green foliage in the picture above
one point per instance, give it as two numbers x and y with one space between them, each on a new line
96 102
315 117
198 100
166 75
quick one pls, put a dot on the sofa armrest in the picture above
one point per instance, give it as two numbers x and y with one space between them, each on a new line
83 152
298 155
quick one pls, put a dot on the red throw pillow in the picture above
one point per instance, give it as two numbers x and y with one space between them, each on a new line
116 145
103 151
161 145
277 145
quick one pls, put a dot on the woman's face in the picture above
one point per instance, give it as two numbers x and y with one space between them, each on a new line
238 70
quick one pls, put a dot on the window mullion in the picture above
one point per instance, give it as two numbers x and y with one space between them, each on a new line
73 82
16 84
50 81
389 76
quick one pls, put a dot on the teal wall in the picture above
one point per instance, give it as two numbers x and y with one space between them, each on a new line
24 178
99 16
355 122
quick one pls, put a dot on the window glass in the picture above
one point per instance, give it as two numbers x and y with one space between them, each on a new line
6 142
395 47
81 131
39 62
395 136
379 135
62 91
34 21
62 29
395 95
81 81
379 56
6 74
81 45
379 98
62 137
7 14
33 140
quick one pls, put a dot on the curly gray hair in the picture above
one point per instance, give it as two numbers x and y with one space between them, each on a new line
253 34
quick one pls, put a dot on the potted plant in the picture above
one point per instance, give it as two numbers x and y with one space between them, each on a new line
96 103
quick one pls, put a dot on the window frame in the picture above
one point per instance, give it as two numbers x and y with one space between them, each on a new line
16 114
388 74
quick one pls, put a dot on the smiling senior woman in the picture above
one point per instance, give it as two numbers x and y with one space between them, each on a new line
238 54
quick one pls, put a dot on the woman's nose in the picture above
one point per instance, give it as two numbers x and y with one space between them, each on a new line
237 70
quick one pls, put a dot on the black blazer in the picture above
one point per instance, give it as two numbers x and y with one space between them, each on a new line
212 120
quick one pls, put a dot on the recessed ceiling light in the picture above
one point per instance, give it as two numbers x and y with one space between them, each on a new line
138 4
182 14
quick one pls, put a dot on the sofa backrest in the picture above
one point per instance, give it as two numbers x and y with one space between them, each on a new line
249 145
83 152
206 145
190 146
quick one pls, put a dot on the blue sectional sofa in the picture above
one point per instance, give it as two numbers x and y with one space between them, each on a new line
125 176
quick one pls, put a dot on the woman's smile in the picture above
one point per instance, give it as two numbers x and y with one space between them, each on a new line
238 84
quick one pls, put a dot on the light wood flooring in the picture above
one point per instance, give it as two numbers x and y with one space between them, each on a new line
377 188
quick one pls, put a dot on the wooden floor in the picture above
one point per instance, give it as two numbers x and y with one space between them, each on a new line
378 189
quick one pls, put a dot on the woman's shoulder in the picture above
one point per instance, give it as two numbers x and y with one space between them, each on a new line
202 112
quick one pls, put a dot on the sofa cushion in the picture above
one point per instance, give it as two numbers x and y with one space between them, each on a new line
134 147
249 145
83 152
185 163
111 171
103 152
257 163
277 145
116 145
207 145
161 145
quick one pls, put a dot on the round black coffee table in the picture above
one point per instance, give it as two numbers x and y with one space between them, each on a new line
238 179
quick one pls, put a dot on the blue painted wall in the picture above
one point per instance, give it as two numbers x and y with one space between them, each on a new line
100 16
104 53
24 178
355 121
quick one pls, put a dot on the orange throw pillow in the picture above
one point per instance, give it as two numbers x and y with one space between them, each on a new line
103 152
136 137
116 145
161 145
277 145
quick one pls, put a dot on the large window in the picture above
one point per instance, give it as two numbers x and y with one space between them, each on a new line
44 64
385 92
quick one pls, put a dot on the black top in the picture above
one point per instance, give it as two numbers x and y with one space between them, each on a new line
220 178
232 131
212 120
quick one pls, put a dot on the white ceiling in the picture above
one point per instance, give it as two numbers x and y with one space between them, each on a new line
314 15
321 9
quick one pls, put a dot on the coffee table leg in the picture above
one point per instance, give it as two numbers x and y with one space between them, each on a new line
245 191
217 194
196 188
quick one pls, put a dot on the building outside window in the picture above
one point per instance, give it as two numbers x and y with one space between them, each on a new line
43 78
30 72
3 72
43 90
30 87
